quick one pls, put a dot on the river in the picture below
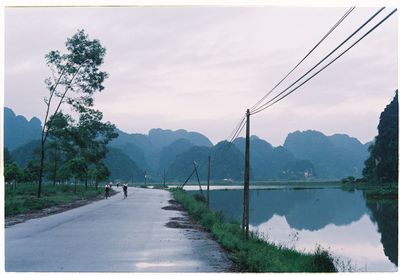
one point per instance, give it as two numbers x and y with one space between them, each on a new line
360 234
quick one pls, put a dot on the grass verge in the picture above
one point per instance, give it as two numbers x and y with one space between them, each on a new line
23 198
254 255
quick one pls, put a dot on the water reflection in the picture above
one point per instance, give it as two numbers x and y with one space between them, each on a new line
385 214
364 232
310 209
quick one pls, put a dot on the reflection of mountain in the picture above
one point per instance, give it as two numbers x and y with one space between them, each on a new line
310 209
386 216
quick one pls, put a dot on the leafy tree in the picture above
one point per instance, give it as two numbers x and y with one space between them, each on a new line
382 165
78 168
59 145
64 172
11 172
7 157
75 78
100 172
31 172
91 136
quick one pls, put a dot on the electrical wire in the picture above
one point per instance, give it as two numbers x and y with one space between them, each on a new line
320 41
332 61
327 56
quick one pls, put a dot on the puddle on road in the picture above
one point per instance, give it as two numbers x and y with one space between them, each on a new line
174 205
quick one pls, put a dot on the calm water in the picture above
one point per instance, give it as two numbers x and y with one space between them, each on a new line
340 221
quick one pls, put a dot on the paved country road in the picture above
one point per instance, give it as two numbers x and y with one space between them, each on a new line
114 235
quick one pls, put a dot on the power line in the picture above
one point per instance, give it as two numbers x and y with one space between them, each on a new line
341 44
237 130
234 132
322 39
332 61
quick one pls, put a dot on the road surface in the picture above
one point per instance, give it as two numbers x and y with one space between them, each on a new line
114 235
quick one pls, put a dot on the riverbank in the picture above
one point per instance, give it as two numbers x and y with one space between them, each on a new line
254 255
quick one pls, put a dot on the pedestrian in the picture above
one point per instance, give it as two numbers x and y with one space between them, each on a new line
117 184
125 187
107 191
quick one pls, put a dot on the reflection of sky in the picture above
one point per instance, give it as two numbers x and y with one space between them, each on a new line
358 241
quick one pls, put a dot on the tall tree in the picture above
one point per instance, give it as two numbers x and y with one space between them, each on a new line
91 137
382 165
75 77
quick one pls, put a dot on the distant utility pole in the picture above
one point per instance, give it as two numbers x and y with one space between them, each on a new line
246 219
198 179
164 178
208 182
145 177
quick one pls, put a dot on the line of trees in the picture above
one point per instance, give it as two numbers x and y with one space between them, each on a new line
75 150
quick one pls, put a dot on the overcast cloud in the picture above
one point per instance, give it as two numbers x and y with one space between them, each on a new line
199 68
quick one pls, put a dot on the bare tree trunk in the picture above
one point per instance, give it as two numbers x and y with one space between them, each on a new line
41 165
86 179
55 168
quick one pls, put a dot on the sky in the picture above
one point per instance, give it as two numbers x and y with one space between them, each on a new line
200 67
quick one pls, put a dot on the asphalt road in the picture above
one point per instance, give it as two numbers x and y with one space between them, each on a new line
113 235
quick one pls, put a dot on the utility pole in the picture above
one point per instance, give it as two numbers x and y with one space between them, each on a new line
208 182
164 178
198 179
145 177
246 219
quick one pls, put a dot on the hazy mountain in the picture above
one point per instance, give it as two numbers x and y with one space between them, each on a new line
161 138
268 162
308 153
226 164
18 130
122 167
169 153
139 148
27 152
146 150
333 157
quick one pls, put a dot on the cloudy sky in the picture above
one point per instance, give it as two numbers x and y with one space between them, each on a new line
199 68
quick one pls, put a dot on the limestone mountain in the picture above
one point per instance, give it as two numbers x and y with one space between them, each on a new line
18 130
333 157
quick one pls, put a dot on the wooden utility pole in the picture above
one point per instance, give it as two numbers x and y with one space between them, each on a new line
164 178
198 179
245 223
208 182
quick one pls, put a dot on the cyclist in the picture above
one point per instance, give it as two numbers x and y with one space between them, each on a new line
125 187
107 191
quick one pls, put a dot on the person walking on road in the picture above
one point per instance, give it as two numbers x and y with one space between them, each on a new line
125 187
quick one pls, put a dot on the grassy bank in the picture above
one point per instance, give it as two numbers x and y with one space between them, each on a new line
383 192
23 198
254 255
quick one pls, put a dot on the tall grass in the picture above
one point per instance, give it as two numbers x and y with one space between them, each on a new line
253 255
23 198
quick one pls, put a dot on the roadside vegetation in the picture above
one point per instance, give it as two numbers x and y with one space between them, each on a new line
253 255
23 198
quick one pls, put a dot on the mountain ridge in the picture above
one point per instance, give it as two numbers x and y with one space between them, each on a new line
304 154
